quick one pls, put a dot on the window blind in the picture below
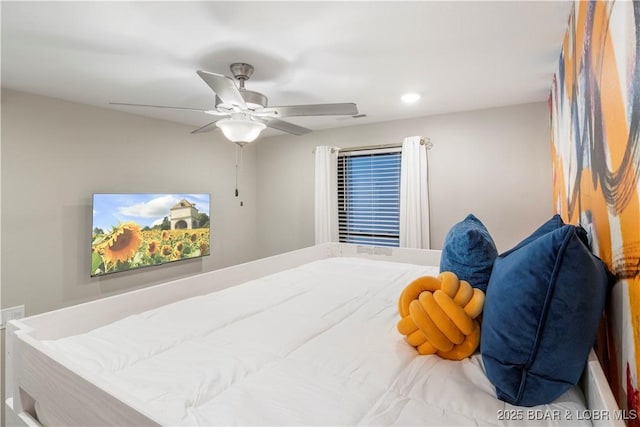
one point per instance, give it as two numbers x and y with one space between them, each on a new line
369 197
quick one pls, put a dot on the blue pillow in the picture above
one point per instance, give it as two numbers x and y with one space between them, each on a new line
541 314
469 252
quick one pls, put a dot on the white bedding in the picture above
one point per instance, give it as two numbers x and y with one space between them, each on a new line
314 345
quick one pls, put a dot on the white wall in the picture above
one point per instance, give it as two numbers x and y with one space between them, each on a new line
494 163
56 154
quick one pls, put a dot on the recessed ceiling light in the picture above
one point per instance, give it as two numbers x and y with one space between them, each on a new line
410 98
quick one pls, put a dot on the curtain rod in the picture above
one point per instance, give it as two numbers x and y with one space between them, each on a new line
423 141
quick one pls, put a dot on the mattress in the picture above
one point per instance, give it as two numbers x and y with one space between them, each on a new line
313 345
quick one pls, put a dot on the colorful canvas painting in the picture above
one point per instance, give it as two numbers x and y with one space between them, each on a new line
138 230
595 131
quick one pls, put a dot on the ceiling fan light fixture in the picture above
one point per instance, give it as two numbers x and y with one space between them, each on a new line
240 130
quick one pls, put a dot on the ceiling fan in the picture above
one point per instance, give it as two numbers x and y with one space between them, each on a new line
243 114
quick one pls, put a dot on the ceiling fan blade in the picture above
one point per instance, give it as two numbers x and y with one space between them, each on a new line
211 112
340 109
286 127
225 87
208 127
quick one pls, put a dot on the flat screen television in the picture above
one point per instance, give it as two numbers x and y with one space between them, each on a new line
131 231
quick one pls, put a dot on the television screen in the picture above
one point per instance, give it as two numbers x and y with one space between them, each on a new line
138 230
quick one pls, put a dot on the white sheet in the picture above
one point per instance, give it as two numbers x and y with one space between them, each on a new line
315 345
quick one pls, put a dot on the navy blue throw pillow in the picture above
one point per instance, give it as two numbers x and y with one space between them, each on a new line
469 252
543 305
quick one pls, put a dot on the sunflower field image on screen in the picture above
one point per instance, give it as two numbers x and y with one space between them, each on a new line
130 231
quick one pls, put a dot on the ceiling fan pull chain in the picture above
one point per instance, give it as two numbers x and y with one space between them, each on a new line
241 169
237 192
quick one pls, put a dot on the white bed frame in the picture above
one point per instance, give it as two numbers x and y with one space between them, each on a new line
34 376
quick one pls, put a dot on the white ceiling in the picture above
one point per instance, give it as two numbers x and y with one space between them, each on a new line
460 55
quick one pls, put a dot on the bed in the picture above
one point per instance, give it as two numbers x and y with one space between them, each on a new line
304 338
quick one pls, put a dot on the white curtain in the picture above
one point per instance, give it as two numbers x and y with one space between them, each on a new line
414 195
326 195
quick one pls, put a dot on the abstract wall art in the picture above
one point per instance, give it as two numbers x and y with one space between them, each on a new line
595 133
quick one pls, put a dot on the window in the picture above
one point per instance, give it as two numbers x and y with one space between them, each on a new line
369 197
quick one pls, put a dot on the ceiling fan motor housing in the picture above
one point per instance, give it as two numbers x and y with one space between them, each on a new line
254 100
242 71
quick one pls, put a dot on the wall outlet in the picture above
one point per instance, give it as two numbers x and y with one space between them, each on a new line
11 313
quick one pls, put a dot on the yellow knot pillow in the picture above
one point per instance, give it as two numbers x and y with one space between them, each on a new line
438 315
